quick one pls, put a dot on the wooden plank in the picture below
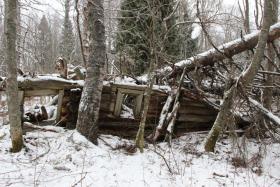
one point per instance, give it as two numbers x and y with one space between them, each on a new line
196 110
59 105
138 106
112 102
156 91
131 91
196 118
130 87
34 93
185 103
118 106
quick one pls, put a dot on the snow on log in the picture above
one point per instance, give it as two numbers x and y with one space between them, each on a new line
229 49
275 119
43 82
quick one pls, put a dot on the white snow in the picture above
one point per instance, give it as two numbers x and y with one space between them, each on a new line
68 159
269 114
126 80
127 112
196 31
50 77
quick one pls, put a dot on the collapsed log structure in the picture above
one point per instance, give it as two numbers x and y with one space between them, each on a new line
194 112
179 109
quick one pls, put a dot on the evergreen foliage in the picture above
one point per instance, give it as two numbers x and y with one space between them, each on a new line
44 44
144 21
67 44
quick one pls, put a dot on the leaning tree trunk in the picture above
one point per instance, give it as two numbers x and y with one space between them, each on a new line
244 80
139 141
210 57
91 96
12 84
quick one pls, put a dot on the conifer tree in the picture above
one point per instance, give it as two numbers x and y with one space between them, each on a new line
134 28
67 44
44 44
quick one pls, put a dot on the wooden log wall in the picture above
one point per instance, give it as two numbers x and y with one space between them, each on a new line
192 115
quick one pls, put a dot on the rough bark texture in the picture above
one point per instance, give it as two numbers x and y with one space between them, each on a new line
229 49
247 17
43 83
91 96
269 115
244 80
147 96
12 84
268 92
221 120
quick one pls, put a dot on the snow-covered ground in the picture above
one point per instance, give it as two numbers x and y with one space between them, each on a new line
65 158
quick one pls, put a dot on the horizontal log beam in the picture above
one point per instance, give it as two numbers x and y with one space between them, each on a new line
38 93
44 82
48 82
228 50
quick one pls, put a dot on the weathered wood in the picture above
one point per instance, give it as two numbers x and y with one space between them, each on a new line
275 119
59 106
61 67
197 110
79 73
162 117
38 93
165 109
118 106
229 49
196 118
138 106
187 103
47 82
173 117
155 89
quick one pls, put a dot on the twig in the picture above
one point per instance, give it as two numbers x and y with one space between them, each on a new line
164 159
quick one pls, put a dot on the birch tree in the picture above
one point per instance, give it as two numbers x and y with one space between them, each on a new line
87 123
244 80
12 84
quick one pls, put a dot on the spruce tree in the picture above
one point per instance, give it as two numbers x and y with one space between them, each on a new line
133 39
67 43
187 45
44 44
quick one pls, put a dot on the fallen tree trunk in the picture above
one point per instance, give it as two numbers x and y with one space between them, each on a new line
226 50
246 77
275 119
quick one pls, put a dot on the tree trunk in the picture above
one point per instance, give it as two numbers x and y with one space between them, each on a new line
91 95
247 17
244 80
12 84
268 92
229 49
147 95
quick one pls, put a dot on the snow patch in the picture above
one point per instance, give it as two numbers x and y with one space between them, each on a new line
68 159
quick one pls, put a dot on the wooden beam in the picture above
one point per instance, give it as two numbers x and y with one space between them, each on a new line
138 106
118 106
59 106
39 93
